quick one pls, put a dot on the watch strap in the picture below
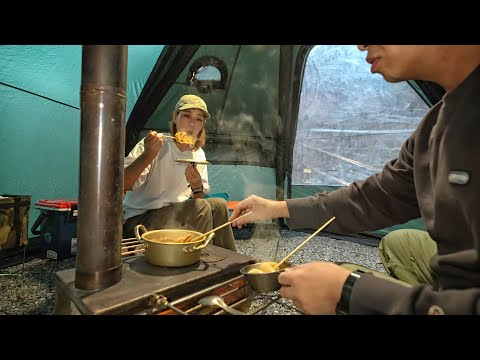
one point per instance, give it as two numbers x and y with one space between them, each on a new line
343 306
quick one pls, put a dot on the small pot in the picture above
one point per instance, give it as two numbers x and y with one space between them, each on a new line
171 254
264 281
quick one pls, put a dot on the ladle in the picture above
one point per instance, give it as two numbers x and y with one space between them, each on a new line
303 243
215 300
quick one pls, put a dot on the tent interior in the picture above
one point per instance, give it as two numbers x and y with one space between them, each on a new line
287 120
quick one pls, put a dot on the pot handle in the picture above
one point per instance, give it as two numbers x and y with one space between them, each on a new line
193 248
137 233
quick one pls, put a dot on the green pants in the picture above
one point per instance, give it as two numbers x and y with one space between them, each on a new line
200 215
405 255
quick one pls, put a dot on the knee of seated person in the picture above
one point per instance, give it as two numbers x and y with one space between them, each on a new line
398 238
202 203
392 237
218 202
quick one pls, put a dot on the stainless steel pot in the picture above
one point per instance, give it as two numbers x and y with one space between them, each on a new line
261 277
162 250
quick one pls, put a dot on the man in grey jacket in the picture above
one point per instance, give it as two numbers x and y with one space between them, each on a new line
436 176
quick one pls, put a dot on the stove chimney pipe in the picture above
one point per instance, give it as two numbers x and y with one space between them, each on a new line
103 111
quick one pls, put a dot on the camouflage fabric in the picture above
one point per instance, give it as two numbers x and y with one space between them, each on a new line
14 213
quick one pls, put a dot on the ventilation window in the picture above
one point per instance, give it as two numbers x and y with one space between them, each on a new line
207 73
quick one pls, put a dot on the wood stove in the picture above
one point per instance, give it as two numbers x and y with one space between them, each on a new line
152 290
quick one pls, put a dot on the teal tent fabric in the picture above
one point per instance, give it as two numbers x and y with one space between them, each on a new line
40 116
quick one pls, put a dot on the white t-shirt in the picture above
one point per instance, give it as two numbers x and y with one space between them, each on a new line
162 182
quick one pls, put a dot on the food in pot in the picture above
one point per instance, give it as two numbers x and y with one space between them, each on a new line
255 271
164 239
184 239
263 268
263 276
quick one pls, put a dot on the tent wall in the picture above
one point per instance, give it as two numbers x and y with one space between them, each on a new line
240 181
243 126
40 116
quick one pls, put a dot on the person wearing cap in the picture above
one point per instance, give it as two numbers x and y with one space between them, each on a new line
436 176
164 194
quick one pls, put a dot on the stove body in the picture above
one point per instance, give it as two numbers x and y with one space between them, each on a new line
151 290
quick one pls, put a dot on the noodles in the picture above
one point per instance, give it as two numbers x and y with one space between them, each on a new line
165 239
184 138
184 239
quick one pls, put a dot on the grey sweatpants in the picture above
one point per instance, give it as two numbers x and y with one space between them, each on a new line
200 215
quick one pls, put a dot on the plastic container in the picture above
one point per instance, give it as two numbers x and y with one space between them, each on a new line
57 226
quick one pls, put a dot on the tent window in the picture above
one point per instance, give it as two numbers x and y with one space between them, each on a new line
350 122
208 73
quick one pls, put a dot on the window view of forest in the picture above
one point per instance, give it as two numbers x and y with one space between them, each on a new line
350 121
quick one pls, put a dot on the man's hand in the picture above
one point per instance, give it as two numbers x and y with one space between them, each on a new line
262 209
314 287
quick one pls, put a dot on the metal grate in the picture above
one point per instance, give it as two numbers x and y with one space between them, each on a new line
131 246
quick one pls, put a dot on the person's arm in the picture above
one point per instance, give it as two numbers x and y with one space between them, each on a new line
327 288
381 200
198 193
372 295
139 159
134 170
260 209
197 177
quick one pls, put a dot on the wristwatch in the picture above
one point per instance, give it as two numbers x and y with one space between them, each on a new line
343 306
197 191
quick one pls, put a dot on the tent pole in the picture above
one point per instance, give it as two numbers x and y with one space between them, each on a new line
285 76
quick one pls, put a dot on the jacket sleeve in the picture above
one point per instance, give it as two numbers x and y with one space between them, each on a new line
375 296
384 199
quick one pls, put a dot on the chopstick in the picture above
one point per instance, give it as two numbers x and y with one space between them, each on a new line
303 243
219 227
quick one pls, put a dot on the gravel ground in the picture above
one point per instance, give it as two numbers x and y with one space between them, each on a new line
320 248
29 289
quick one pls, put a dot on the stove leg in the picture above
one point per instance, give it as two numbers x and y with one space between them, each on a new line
63 304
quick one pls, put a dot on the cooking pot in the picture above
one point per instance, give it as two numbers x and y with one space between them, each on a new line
162 250
262 277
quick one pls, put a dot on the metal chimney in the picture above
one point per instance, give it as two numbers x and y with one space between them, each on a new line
102 142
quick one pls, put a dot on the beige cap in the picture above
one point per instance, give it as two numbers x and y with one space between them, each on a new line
192 102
